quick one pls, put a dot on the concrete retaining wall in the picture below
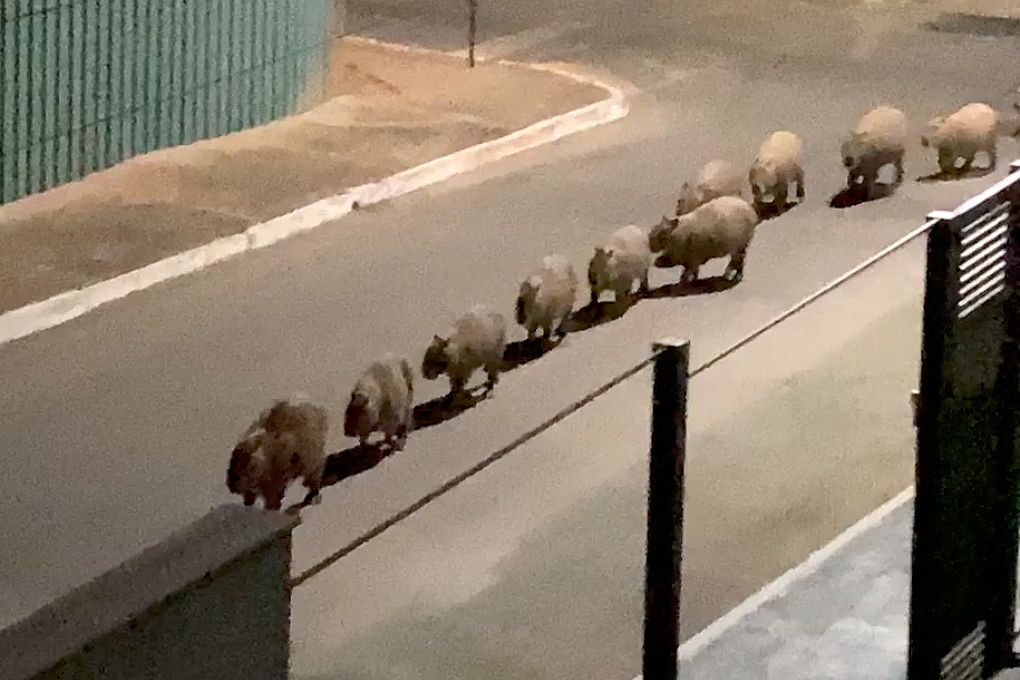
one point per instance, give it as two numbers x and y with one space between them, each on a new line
210 602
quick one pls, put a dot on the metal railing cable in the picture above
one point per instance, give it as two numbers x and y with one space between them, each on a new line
456 481
572 408
813 297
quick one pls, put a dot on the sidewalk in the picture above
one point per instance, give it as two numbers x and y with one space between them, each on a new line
846 620
390 110
841 616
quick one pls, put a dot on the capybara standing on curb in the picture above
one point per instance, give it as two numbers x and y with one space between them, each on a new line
777 165
878 140
477 340
723 227
382 401
546 298
962 134
286 441
624 259
717 178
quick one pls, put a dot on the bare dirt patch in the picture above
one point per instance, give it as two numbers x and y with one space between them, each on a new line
387 110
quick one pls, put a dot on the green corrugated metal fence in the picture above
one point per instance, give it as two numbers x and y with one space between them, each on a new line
85 84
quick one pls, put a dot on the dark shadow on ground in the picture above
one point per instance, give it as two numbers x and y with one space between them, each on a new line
442 409
590 315
345 464
357 459
770 211
939 176
353 461
522 352
851 196
974 24
705 286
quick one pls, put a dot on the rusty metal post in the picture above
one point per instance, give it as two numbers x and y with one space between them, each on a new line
472 30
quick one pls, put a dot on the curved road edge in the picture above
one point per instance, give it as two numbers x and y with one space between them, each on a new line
64 307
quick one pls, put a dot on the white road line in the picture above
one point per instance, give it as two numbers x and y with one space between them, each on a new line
781 585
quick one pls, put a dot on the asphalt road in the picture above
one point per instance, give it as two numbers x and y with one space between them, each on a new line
117 426
534 568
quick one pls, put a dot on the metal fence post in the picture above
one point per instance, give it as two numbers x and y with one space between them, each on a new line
664 541
1003 553
965 515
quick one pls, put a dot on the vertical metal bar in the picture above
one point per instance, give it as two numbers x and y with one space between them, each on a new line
99 150
258 19
64 93
6 136
324 50
664 541
141 94
132 39
247 37
208 75
49 109
104 126
199 69
20 106
923 654
273 36
193 48
36 78
223 66
242 41
290 60
297 74
98 93
111 135
153 41
78 77
162 73
233 29
472 30
92 81
184 54
123 113
1003 552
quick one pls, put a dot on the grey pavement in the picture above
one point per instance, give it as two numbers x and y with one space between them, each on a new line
846 621
117 426
534 568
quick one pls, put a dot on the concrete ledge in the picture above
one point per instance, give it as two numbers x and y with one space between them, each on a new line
66 306
187 558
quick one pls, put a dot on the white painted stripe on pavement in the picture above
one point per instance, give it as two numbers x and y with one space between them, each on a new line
781 585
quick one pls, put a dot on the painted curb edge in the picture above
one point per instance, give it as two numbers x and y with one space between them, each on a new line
69 305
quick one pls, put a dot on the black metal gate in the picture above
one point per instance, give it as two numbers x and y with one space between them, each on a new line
965 515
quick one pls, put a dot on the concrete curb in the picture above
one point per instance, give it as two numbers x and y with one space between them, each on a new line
64 307
782 585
